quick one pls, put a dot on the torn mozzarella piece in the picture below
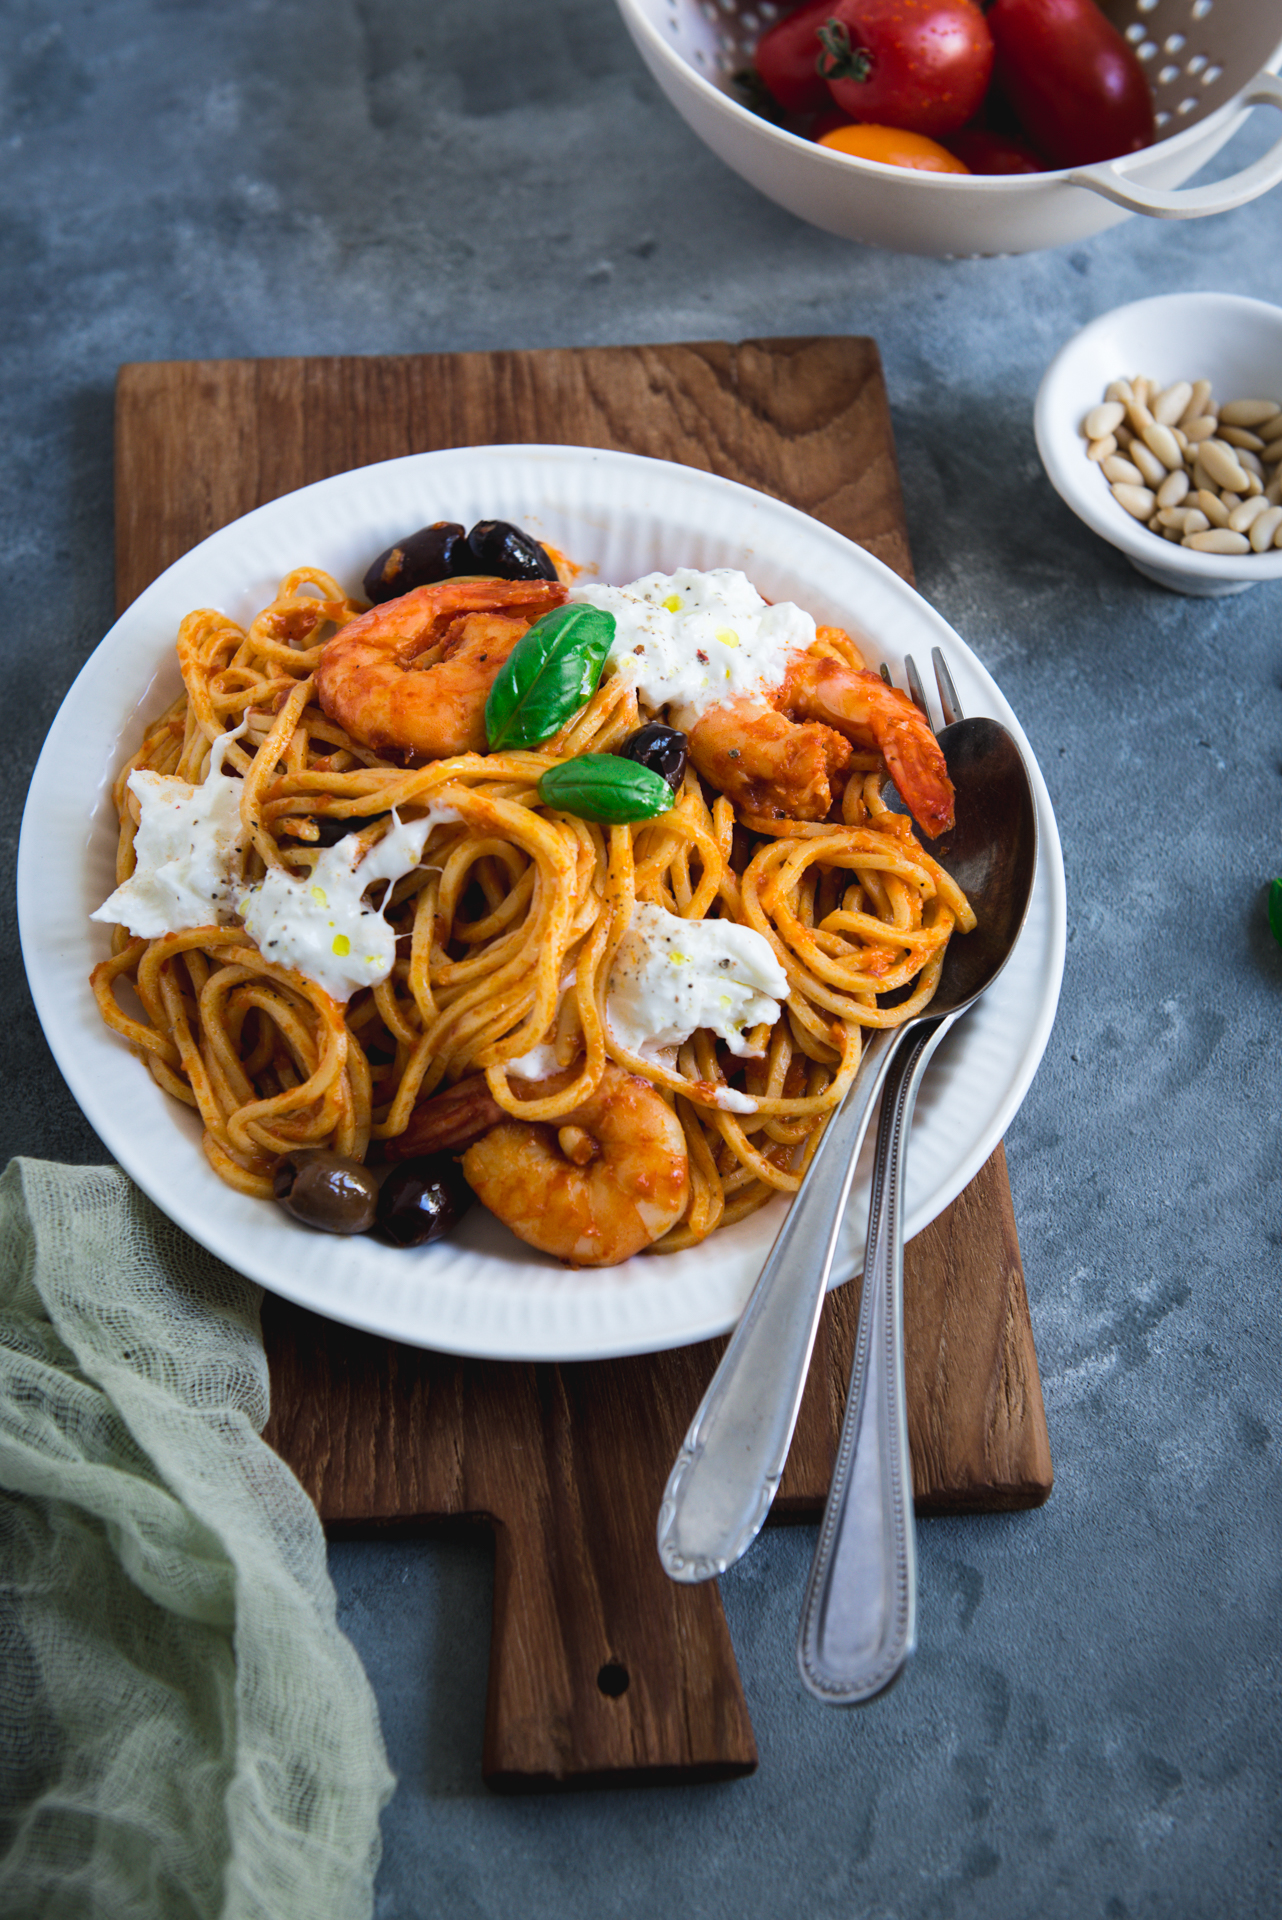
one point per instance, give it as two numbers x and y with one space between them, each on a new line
692 639
187 849
320 925
670 976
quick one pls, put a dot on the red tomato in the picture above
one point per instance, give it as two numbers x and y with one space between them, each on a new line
787 59
1076 85
919 64
986 151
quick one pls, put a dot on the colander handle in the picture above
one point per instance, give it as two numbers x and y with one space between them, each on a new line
1191 203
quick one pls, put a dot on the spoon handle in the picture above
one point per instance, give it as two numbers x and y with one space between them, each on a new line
731 1460
859 1619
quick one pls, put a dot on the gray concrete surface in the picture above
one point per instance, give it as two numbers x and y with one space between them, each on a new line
1091 1726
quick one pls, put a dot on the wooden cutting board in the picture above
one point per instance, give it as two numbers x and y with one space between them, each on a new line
601 1671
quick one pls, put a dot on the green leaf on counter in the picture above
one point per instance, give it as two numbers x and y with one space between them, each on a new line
551 672
605 787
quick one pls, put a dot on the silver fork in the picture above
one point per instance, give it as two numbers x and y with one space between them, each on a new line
728 1470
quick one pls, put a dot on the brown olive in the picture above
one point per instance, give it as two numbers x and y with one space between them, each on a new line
423 1200
660 748
326 1190
420 559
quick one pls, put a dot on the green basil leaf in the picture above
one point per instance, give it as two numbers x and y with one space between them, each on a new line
602 786
1275 910
550 673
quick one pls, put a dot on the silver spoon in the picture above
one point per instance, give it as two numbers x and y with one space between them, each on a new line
725 1476
858 1622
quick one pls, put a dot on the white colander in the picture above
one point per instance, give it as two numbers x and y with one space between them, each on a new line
1209 61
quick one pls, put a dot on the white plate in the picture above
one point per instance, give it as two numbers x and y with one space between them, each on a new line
483 1292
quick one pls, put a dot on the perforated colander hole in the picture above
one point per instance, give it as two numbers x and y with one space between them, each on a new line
613 1680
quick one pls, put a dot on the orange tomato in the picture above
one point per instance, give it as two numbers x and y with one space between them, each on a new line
894 147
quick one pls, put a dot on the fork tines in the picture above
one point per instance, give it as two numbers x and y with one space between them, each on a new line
950 704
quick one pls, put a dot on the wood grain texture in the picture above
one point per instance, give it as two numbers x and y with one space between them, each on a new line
567 1463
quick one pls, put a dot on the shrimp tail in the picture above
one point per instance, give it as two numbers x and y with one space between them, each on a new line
871 714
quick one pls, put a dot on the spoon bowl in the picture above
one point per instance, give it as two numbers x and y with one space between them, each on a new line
732 1458
991 853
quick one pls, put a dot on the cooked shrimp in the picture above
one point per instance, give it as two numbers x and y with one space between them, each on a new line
766 763
778 754
367 682
595 1186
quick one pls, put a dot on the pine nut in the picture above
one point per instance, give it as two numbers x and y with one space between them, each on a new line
1141 387
1272 452
1201 428
1273 492
1220 462
1161 441
1248 461
1271 430
1168 406
1264 527
1181 439
1203 481
1122 471
1198 404
1254 484
1138 501
1139 416
1239 437
1173 489
1147 462
1100 449
1229 501
1213 507
1118 390
1248 413
1195 521
1241 518
1124 436
1217 540
1102 419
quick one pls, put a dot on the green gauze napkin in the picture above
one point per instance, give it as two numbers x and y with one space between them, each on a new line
184 1731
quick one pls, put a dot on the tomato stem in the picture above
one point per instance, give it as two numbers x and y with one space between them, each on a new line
839 60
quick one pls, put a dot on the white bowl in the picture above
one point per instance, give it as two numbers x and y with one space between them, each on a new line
1233 342
1207 65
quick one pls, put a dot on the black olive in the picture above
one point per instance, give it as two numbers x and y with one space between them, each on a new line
423 1200
326 1190
433 553
660 748
498 547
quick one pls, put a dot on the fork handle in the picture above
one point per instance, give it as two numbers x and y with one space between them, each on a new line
732 1458
859 1619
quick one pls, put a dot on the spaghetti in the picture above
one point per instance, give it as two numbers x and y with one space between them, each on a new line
507 930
